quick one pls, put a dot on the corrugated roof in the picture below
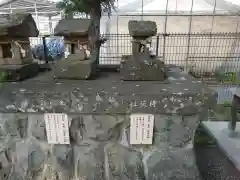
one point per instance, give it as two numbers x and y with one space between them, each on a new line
43 7
21 25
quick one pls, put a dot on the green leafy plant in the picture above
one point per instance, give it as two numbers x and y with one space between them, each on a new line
228 77
3 76
231 77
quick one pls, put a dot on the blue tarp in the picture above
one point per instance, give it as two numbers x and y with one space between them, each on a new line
54 49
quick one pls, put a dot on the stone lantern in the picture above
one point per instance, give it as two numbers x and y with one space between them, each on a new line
141 65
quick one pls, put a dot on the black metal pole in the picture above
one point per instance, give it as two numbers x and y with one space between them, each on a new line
165 31
45 50
157 46
186 66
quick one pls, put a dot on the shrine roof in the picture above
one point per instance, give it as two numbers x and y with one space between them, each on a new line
72 27
22 25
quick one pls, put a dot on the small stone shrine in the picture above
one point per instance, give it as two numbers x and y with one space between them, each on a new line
76 65
141 65
16 61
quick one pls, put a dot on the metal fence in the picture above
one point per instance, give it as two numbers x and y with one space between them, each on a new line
203 51
205 43
200 53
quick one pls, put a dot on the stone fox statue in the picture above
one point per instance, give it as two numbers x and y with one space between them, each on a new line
235 110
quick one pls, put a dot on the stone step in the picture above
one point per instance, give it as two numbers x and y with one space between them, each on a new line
218 159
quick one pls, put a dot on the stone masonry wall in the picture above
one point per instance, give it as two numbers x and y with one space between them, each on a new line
99 125
99 149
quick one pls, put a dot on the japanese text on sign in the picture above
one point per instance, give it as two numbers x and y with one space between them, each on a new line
141 128
57 128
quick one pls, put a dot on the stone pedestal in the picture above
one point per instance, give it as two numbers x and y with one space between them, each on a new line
76 66
16 61
220 147
76 70
151 69
99 124
18 72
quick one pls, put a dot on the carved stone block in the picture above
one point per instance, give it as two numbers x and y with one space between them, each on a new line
15 54
18 72
72 69
149 69
75 68
142 28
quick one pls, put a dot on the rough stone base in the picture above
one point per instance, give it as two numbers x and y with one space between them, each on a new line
149 70
99 149
18 72
75 69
